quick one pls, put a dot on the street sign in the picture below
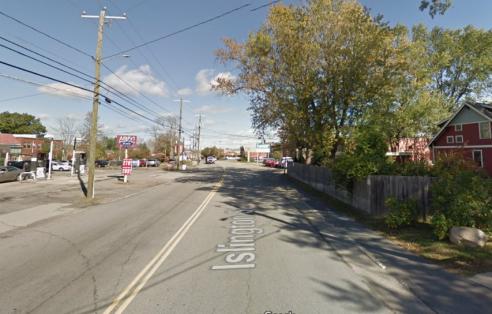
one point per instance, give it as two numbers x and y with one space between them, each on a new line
126 167
126 141
262 148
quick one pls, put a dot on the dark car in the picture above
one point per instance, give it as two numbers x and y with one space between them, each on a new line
9 173
102 163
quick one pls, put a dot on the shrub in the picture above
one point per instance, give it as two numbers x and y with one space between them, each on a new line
413 168
461 196
441 226
366 158
402 213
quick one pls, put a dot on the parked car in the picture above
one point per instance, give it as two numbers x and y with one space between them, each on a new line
269 162
153 163
210 160
285 161
9 173
142 163
135 163
60 166
102 163
20 164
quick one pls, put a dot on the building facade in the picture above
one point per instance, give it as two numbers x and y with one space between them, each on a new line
467 132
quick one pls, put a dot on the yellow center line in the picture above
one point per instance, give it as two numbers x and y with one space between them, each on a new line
125 298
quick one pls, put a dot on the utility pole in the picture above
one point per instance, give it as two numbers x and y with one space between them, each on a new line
180 130
95 103
180 140
198 139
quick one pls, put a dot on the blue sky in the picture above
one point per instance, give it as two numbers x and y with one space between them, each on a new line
180 65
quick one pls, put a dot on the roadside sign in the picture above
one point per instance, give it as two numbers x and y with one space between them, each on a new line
126 167
262 148
126 141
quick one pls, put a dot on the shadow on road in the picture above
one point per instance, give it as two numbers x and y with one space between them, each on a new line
82 185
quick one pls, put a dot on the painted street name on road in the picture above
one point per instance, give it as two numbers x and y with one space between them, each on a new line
241 246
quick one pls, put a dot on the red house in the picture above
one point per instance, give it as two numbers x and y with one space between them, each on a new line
468 130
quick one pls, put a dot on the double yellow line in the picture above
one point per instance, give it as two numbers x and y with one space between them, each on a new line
125 298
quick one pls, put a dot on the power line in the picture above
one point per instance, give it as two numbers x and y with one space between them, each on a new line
183 29
264 5
78 87
45 34
20 97
118 93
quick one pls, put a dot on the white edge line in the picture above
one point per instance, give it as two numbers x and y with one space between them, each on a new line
157 260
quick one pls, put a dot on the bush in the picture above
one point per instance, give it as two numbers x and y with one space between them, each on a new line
402 213
367 157
461 196
413 168
440 225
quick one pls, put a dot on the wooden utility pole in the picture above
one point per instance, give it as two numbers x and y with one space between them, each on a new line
180 131
95 102
198 139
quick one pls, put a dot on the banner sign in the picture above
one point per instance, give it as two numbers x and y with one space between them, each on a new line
126 167
126 141
262 148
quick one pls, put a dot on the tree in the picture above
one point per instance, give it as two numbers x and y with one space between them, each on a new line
140 152
212 151
66 129
459 61
435 6
20 123
85 127
164 135
314 72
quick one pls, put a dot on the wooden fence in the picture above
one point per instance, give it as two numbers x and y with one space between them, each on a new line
370 194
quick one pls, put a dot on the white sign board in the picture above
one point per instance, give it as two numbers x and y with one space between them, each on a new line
262 148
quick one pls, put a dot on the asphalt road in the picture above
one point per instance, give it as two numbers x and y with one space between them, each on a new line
226 238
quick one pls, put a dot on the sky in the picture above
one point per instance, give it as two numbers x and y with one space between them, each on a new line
155 76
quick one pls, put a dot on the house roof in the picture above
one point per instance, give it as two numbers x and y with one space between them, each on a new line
482 109
8 139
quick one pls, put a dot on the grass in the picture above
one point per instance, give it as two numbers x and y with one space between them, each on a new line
418 239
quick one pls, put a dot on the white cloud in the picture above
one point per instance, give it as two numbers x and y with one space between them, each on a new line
60 89
212 109
185 92
141 80
43 116
205 80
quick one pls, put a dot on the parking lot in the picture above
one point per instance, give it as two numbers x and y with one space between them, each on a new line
66 189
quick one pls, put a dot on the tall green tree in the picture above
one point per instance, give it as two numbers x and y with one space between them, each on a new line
20 123
435 6
313 72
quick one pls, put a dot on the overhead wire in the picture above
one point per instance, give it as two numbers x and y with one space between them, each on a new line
60 42
107 99
45 34
69 92
182 30
103 84
20 97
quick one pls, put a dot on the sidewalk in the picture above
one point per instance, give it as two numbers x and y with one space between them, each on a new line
383 264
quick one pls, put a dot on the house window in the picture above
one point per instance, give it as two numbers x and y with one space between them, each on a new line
458 127
478 158
450 139
485 130
459 139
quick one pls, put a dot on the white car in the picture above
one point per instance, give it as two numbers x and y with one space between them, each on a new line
61 166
